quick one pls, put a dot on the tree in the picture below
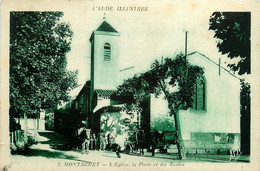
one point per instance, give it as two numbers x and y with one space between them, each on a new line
233 31
245 111
162 78
39 42
162 122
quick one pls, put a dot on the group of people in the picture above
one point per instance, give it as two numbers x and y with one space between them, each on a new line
116 140
88 140
109 140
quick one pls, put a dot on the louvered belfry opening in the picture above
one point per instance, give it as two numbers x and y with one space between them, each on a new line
107 52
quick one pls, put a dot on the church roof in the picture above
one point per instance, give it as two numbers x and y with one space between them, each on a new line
106 27
104 93
212 62
110 109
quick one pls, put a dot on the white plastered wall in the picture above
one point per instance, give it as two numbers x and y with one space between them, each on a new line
222 114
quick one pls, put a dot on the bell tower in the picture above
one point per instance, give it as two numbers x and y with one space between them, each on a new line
104 57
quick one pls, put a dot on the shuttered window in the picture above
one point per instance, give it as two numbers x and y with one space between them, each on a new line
107 52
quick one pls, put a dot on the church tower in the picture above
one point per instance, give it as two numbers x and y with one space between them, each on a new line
104 57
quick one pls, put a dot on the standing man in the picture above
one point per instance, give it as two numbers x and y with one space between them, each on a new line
109 140
101 140
140 141
85 139
92 141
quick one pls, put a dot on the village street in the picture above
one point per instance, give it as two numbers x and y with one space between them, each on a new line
43 155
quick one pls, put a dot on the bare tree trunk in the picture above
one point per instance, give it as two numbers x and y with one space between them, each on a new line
25 130
180 143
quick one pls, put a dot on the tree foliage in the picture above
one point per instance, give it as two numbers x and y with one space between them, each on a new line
173 73
175 78
162 123
39 42
245 92
233 31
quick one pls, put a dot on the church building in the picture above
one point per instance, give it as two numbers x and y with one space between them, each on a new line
212 123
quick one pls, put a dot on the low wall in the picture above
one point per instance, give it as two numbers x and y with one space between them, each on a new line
210 143
30 123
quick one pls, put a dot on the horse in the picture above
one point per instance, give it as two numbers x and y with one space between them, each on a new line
140 141
156 138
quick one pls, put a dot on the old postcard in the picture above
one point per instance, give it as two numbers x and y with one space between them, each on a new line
124 85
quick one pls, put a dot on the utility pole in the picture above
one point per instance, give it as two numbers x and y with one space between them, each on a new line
184 74
185 57
186 37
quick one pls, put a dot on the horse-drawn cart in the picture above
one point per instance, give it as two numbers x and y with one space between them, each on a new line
165 139
155 140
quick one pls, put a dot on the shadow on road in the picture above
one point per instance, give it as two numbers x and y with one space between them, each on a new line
56 141
50 155
59 142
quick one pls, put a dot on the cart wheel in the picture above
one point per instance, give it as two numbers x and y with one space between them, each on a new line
128 149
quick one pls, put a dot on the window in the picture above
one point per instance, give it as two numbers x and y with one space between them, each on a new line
200 95
217 138
107 52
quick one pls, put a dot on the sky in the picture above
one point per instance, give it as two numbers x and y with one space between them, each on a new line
144 36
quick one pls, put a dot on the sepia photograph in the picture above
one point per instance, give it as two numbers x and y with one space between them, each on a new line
129 85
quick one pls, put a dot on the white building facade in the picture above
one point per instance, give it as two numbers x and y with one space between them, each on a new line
214 121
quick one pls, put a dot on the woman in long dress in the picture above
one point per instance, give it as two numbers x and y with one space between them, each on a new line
235 148
120 142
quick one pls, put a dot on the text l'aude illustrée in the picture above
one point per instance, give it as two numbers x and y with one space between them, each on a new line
120 8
